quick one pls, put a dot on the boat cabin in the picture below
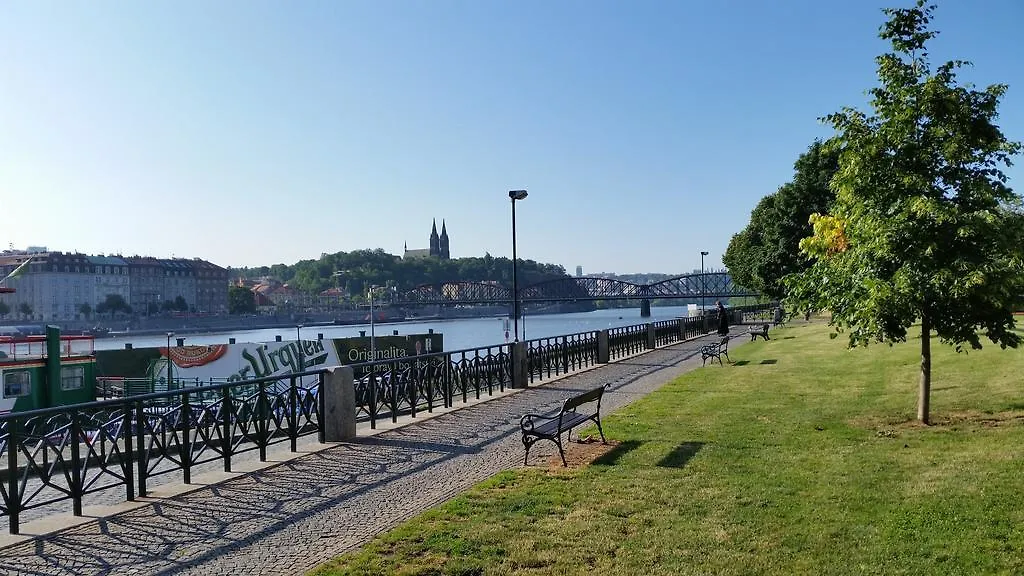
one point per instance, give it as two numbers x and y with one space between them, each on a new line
44 371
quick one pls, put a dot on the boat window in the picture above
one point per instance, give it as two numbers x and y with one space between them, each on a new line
17 383
72 377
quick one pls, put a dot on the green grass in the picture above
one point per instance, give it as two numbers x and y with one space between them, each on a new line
809 465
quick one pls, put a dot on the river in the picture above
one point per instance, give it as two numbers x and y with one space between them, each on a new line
458 334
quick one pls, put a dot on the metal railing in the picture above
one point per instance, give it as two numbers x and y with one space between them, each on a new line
627 340
560 354
391 388
68 452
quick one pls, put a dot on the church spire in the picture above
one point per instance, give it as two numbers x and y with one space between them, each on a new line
435 241
444 252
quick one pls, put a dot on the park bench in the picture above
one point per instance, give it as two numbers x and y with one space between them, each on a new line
761 331
536 427
715 350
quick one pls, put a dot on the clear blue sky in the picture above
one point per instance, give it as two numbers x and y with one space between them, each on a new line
261 132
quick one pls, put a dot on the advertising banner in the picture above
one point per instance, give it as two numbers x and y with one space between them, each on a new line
246 361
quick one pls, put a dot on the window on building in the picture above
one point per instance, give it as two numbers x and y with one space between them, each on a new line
17 383
72 378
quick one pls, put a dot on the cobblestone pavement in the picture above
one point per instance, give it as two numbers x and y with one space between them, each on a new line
294 516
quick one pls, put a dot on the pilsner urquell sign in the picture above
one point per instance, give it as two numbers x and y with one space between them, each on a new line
247 361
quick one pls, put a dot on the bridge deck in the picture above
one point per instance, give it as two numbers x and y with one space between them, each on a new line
293 516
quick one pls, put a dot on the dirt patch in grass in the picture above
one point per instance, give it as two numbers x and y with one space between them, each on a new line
891 427
578 453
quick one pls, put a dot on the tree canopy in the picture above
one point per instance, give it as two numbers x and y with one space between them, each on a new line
356 271
924 227
768 249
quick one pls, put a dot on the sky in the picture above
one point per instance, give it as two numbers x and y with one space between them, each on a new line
252 132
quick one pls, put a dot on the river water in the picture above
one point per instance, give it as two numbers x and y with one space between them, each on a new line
458 334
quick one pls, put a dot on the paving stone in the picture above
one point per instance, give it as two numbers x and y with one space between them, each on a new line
291 517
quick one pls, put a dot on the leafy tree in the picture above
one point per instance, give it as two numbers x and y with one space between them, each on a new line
152 308
241 300
180 304
25 309
768 249
924 227
112 304
4 309
85 310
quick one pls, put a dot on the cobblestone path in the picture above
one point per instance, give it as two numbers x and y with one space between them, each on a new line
294 516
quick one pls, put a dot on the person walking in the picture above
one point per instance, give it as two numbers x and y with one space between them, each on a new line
723 319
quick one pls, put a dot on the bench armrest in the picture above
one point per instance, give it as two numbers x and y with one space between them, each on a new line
526 422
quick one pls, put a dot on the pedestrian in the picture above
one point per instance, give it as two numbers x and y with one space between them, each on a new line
723 319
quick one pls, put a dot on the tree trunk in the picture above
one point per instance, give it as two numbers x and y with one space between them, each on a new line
924 395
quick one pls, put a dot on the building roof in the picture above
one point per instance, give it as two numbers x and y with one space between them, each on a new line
106 260
418 253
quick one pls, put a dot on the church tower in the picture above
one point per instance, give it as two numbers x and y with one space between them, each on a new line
445 253
435 241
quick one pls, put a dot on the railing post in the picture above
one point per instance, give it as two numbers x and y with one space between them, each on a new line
262 426
129 454
227 412
603 348
76 465
339 394
652 341
320 411
293 413
13 493
519 363
142 446
186 439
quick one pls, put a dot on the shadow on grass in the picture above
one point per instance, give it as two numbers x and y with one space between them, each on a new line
680 455
741 363
786 338
611 458
1016 406
769 361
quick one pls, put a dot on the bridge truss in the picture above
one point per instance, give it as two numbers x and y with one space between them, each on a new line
690 286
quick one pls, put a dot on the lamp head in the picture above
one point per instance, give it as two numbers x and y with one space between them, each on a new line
517 194
703 253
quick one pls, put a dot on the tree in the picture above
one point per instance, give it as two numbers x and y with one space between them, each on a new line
25 309
4 309
180 304
924 227
241 300
85 310
768 249
113 304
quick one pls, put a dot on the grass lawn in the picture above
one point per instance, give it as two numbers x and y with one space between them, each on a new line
802 458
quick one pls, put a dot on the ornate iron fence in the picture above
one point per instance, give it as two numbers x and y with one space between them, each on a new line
627 340
560 354
68 452
391 388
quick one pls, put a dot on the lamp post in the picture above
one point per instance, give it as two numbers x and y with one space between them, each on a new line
515 195
169 363
373 348
298 342
703 281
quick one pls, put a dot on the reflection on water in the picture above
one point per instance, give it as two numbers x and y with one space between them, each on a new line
458 334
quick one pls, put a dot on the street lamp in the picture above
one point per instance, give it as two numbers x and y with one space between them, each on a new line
373 348
169 363
703 281
515 195
298 342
